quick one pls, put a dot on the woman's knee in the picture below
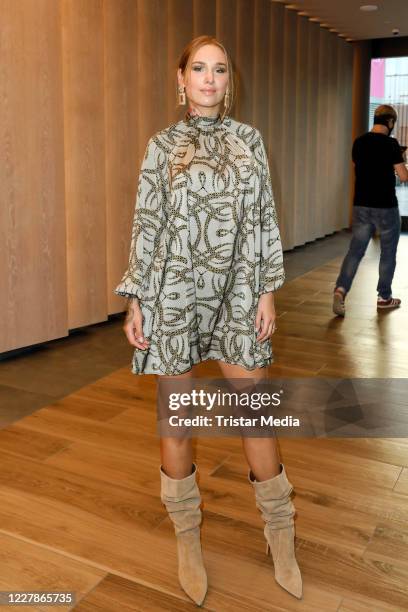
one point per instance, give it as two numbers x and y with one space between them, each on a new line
176 443
230 370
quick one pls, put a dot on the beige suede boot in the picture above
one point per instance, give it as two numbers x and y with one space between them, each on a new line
273 500
182 500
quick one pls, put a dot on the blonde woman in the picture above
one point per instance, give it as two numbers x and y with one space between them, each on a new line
204 263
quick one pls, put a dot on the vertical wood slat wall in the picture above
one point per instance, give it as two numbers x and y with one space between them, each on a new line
79 102
33 244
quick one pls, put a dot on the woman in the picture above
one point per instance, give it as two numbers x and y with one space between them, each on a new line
204 262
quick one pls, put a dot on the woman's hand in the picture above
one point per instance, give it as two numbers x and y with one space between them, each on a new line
133 326
265 317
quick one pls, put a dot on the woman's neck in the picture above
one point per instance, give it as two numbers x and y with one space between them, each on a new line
204 111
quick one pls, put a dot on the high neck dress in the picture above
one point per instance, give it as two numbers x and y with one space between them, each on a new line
205 245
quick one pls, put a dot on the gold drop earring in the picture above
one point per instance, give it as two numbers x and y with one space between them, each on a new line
226 99
181 96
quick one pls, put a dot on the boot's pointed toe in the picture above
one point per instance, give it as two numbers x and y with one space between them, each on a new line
191 571
287 572
291 581
292 586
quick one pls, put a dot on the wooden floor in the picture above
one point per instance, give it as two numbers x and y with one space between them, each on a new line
79 482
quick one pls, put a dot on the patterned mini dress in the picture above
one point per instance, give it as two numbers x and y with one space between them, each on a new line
205 245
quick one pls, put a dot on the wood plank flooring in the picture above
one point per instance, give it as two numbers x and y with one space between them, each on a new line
79 482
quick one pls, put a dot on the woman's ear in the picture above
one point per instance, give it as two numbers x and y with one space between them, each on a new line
180 79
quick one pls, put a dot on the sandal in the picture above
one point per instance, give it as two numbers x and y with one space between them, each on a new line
339 307
389 303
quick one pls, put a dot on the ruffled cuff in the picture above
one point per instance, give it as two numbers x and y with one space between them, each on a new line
273 284
128 288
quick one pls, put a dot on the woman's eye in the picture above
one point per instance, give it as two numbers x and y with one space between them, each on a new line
198 69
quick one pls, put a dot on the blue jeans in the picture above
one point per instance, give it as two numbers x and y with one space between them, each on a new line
365 221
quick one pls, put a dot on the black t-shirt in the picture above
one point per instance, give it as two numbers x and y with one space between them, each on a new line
374 155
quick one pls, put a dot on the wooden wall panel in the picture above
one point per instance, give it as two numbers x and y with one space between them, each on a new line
84 95
288 116
322 132
275 101
226 26
204 17
33 291
348 118
343 134
311 120
334 155
179 33
261 51
300 127
341 156
244 60
121 97
152 63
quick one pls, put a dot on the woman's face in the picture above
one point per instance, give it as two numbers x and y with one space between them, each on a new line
207 80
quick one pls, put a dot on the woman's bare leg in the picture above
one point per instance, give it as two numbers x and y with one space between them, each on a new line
262 454
177 453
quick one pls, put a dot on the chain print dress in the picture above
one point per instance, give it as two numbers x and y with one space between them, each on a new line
204 245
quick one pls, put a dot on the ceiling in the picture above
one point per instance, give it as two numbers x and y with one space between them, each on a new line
346 17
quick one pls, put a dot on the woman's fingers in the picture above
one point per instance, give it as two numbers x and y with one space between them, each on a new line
258 320
133 328
271 329
268 328
264 330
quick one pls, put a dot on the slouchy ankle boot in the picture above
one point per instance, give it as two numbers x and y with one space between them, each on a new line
273 500
182 500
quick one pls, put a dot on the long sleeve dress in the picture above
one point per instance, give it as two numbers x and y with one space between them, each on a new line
204 245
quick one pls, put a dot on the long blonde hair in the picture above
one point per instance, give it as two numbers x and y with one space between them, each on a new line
188 53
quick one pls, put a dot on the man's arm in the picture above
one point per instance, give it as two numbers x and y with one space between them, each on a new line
402 172
399 160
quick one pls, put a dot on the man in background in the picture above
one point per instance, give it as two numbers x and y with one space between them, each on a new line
376 158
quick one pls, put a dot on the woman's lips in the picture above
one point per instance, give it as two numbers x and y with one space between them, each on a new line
208 91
